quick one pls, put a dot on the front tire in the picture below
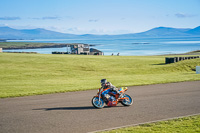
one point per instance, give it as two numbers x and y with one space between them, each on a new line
128 101
96 103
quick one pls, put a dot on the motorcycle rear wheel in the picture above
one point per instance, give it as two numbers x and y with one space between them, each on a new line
127 102
96 103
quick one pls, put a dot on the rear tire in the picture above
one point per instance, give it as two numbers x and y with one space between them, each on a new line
96 103
127 102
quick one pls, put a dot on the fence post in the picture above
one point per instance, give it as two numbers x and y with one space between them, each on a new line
177 59
167 60
197 69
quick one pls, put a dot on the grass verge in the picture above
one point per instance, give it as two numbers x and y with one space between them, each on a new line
33 74
181 125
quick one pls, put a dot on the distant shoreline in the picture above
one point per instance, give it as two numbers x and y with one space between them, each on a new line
35 47
32 45
109 47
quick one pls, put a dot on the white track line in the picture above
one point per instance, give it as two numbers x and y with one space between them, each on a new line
143 123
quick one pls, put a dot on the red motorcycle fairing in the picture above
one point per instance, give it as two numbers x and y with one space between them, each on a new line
112 103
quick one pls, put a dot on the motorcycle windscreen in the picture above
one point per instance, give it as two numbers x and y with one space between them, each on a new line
122 89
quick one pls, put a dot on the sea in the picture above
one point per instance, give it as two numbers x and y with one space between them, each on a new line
123 47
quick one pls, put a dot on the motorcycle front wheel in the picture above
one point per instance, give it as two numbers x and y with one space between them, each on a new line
96 103
128 101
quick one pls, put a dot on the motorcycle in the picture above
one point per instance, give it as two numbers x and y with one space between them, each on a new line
112 98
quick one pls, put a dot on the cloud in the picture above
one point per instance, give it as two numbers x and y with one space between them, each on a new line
98 31
10 18
48 18
51 18
2 25
183 15
93 20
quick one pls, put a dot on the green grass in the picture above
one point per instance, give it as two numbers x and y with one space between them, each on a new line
181 125
32 74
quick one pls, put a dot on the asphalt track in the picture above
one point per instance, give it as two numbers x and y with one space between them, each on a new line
73 111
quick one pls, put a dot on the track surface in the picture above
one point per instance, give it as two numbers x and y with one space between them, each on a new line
73 111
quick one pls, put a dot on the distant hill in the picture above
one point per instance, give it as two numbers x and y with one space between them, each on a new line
195 31
10 33
165 31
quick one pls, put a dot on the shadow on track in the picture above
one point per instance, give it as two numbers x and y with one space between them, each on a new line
71 108
66 108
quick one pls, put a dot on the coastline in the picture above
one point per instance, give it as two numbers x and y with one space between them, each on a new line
35 47
31 45
109 47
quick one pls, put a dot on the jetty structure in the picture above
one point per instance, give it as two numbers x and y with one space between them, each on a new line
81 49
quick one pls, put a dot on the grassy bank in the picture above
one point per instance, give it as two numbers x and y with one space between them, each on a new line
31 74
181 125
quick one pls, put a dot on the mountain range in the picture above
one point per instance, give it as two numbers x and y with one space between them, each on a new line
39 33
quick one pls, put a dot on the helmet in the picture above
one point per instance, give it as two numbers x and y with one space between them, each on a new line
103 82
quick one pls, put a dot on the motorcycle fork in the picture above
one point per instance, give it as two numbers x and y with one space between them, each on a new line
99 97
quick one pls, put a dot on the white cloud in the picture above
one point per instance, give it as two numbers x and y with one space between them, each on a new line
47 18
184 15
51 17
2 25
9 18
76 30
93 20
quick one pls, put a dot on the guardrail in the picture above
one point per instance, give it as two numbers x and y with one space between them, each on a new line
169 60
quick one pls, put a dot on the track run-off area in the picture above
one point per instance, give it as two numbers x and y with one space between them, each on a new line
73 111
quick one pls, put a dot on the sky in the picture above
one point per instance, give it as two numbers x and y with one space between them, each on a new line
99 16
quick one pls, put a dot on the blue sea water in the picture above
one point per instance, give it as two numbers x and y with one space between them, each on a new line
137 46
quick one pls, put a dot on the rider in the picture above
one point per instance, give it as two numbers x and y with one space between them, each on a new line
109 87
